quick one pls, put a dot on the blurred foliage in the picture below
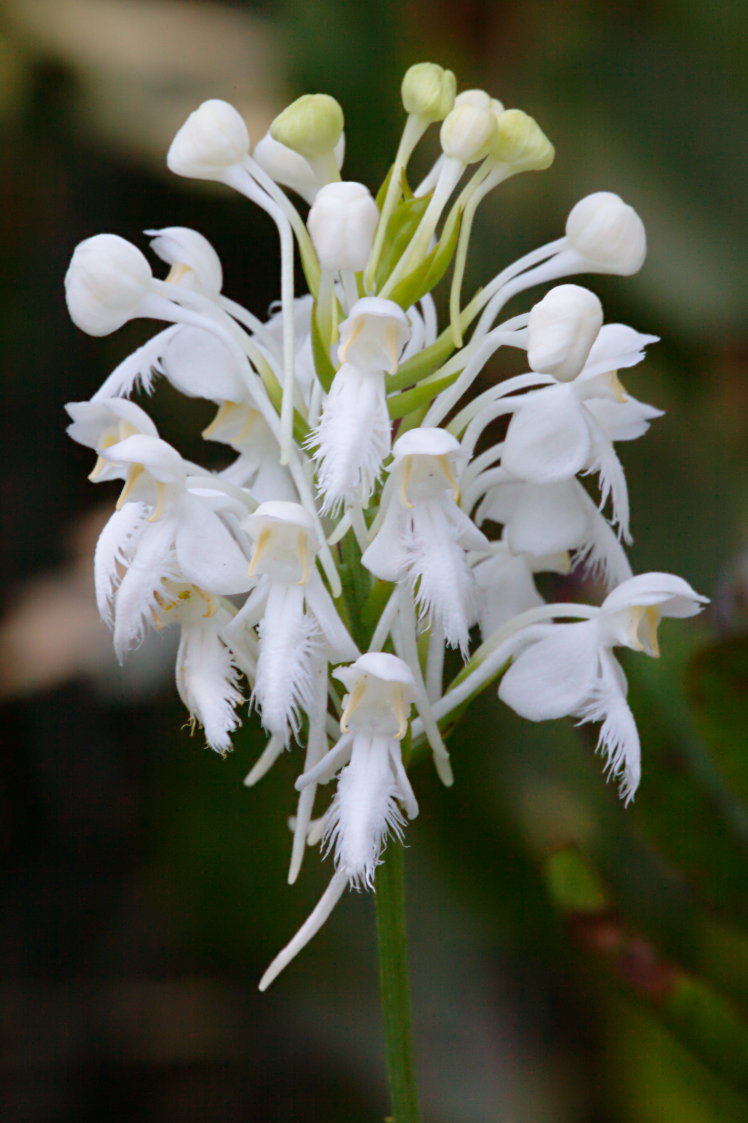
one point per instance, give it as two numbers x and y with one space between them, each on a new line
145 887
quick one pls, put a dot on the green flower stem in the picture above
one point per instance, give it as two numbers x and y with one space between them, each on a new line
394 985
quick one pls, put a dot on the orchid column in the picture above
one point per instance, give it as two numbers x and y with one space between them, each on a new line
365 522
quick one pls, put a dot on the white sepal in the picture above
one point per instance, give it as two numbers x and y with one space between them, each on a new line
561 331
106 283
608 233
194 263
212 139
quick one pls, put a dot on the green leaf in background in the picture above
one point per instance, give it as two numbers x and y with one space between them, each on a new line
718 691
695 1013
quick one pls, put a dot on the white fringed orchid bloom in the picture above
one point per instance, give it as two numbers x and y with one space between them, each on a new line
353 435
207 671
297 622
543 520
423 536
372 784
160 532
569 669
308 398
560 429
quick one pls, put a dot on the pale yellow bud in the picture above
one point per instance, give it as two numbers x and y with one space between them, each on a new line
428 91
311 125
521 142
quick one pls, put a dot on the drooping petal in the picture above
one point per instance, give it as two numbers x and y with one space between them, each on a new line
289 644
364 810
443 584
208 681
386 555
138 370
136 602
113 551
199 365
353 437
603 459
619 737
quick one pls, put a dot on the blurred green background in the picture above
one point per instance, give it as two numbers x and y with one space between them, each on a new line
572 962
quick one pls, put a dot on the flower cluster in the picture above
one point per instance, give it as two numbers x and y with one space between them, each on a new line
342 549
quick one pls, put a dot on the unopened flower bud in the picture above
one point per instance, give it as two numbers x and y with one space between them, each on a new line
607 232
311 125
106 281
428 91
469 129
561 330
194 262
342 222
289 168
212 139
521 142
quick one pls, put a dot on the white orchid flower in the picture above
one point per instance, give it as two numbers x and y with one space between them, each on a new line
569 669
550 519
161 531
560 430
297 621
354 433
423 535
372 784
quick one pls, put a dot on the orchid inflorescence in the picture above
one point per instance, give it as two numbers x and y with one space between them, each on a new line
342 550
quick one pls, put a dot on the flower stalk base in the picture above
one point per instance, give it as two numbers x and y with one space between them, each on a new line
394 985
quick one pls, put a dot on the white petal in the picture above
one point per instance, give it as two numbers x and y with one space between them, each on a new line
548 518
622 421
308 930
353 437
603 459
619 737
386 554
198 364
506 588
135 602
443 584
208 682
617 346
113 550
208 554
322 607
554 674
161 460
289 644
364 810
548 437
138 369
672 594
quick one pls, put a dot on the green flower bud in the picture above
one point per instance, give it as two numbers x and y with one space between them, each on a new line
521 142
311 125
428 91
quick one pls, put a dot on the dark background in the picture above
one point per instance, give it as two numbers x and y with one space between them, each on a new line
143 886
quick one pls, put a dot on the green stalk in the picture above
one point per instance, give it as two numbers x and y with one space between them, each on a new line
394 985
